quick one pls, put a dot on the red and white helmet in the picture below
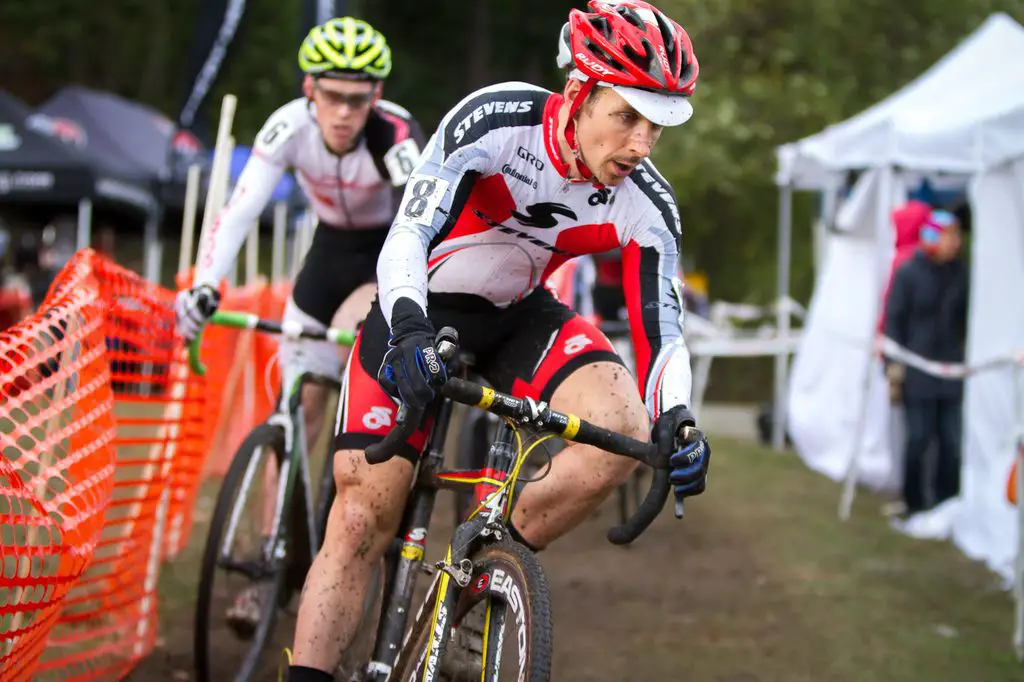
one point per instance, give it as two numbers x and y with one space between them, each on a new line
633 48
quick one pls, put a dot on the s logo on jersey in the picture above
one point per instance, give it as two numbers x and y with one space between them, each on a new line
543 215
599 197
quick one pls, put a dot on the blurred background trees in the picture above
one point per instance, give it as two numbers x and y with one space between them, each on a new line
771 71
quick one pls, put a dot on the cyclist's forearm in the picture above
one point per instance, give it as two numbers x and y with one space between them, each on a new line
663 361
221 244
402 268
220 249
671 382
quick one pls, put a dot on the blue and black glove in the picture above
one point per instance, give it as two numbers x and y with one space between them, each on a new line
676 432
411 369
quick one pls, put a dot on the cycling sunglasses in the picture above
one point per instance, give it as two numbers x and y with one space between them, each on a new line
356 100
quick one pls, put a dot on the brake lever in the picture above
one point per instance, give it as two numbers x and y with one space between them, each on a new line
687 429
446 342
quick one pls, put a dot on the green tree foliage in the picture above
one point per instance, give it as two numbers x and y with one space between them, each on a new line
444 51
771 71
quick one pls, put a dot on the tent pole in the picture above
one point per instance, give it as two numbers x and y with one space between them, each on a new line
884 199
152 248
1018 578
782 317
701 371
84 224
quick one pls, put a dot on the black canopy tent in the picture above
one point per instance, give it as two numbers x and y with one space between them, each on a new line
43 161
136 139
33 166
132 135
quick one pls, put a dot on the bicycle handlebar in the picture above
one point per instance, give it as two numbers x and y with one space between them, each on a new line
567 426
288 329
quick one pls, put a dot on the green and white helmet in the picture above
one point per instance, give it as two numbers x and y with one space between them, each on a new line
346 48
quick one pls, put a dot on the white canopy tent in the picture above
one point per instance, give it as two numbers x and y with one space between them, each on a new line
964 116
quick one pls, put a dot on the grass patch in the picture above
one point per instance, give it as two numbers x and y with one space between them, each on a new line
856 600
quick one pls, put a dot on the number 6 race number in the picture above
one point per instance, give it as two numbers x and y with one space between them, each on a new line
401 160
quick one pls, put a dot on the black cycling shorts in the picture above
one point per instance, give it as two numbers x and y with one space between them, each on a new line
338 262
527 350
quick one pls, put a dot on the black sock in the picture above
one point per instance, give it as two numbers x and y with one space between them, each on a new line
300 673
517 536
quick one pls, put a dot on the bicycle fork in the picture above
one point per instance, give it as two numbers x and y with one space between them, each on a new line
410 544
294 464
454 573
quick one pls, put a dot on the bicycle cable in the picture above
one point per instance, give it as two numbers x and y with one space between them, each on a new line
542 439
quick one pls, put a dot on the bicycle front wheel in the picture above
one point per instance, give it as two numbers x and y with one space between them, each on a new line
252 573
502 631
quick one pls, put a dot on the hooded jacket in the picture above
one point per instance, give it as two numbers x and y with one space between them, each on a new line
907 221
927 314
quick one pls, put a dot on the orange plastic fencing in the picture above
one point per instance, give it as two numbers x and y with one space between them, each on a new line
245 390
57 469
243 365
104 434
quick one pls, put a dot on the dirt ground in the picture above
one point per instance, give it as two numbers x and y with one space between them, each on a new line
759 583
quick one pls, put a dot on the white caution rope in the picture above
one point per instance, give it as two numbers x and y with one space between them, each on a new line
944 370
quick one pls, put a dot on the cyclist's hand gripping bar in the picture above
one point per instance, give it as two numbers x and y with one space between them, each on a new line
408 420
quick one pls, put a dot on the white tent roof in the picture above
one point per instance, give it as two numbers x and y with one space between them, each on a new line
962 115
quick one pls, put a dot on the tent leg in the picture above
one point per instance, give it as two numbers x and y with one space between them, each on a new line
883 206
857 442
84 237
153 249
1018 628
782 316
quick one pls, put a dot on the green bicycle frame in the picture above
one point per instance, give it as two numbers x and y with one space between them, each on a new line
289 416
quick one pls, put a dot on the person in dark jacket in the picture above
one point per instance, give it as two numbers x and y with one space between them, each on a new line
927 314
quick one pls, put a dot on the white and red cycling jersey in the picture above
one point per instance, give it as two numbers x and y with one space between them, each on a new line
490 211
357 191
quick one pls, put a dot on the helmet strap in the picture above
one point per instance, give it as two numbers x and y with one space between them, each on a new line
570 127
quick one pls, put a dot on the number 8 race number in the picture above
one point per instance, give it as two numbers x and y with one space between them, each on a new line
423 196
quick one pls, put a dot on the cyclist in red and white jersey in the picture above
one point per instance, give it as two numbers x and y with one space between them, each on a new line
515 181
352 153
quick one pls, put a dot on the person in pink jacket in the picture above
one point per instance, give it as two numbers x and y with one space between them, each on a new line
907 222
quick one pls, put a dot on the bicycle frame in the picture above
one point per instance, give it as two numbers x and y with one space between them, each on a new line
493 489
289 416
295 464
